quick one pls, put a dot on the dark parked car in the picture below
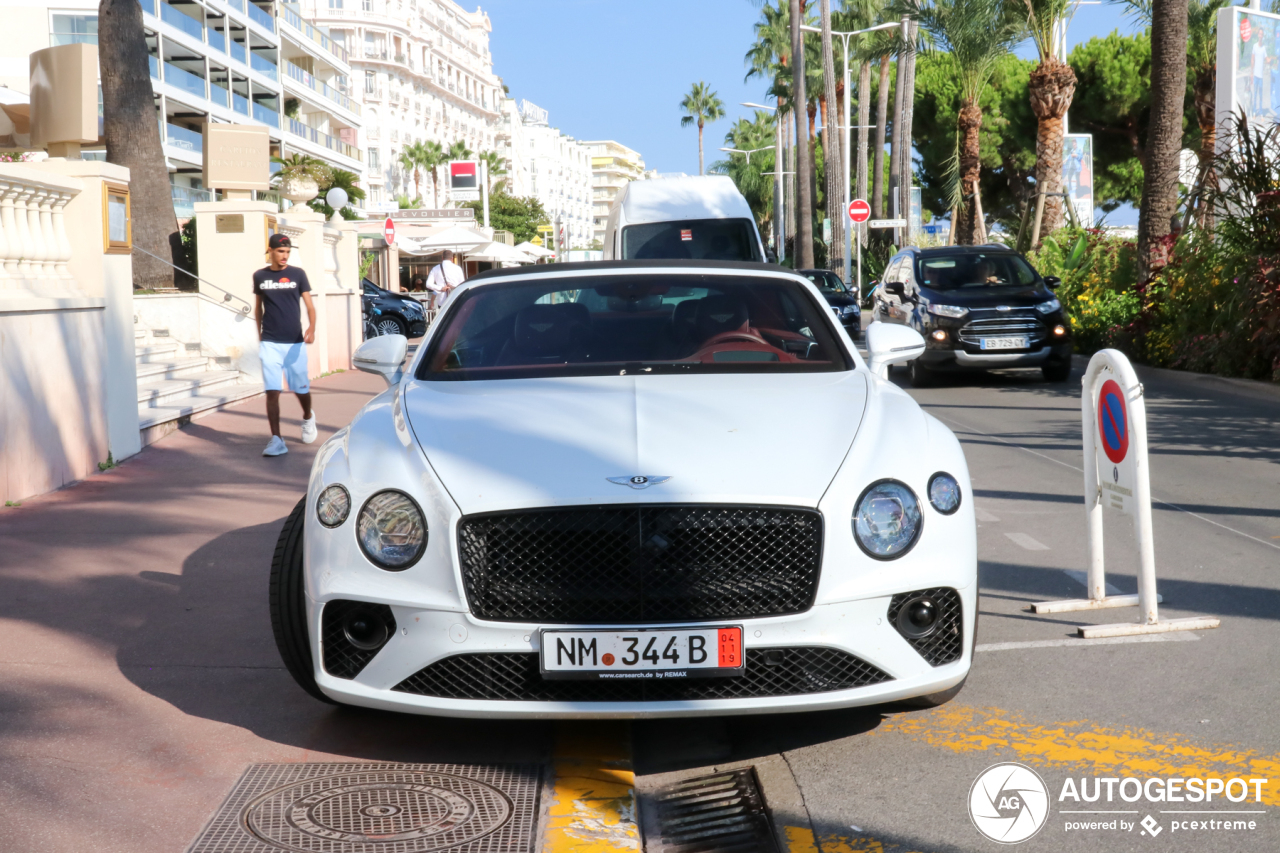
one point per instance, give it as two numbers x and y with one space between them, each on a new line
978 308
393 313
843 301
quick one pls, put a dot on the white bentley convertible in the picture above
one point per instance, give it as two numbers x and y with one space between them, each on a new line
638 488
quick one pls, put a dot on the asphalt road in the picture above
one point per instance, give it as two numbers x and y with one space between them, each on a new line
139 677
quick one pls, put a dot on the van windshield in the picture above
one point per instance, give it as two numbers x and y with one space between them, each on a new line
691 240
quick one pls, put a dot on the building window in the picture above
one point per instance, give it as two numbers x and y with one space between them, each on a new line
73 29
366 5
373 159
370 82
117 224
335 4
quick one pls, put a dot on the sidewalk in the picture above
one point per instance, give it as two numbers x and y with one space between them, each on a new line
139 672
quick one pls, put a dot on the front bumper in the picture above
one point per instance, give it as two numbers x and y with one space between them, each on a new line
861 628
959 359
417 328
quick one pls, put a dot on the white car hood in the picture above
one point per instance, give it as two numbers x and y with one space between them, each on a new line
760 438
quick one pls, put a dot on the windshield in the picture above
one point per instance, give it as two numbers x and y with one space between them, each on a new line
827 282
633 324
976 270
691 239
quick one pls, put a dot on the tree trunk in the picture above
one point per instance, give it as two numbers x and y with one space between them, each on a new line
701 171
1205 94
864 118
1164 134
831 144
893 203
804 194
788 168
908 117
970 123
882 121
813 160
435 185
1052 86
132 134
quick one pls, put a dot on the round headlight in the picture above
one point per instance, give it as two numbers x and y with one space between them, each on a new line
944 493
334 506
887 520
391 530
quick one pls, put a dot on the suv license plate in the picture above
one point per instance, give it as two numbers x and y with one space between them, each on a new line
1004 343
642 654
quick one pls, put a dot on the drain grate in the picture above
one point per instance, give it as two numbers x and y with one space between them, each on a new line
377 808
723 813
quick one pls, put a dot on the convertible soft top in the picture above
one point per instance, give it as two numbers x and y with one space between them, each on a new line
610 266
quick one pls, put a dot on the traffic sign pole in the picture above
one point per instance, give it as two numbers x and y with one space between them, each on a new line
859 212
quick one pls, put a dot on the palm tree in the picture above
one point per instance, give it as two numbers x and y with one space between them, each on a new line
459 151
700 106
1052 86
748 173
495 167
769 57
411 160
974 33
433 158
831 142
804 171
1164 133
133 137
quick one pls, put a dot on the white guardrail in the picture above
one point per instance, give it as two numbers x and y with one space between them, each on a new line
1117 476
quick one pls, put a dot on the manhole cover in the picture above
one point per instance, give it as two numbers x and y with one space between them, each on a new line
377 808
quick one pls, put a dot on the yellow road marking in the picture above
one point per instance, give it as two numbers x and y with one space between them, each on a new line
800 840
593 806
1081 744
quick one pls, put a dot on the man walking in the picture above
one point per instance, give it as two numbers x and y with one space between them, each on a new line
444 278
283 350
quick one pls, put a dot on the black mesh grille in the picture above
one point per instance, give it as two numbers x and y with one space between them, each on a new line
769 672
639 564
341 658
946 643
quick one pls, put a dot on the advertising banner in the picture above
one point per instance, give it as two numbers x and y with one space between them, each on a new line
1077 174
1248 65
464 180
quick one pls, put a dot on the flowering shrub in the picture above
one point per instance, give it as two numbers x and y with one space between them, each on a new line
1098 288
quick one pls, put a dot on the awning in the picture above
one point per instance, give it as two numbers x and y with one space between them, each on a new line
534 250
458 238
499 253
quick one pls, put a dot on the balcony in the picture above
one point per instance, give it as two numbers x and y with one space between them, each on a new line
57 39
219 95
375 53
148 6
184 80
239 103
261 18
185 198
297 74
334 144
181 137
239 52
263 66
155 67
266 116
181 21
293 19
238 5
218 39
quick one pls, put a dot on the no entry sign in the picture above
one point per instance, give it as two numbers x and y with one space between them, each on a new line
389 231
1113 421
859 210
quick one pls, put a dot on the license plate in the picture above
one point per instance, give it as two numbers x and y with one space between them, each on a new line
642 654
1004 343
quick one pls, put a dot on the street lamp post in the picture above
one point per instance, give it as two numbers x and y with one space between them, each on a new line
779 199
848 142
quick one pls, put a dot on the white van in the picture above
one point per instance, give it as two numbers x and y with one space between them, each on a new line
703 218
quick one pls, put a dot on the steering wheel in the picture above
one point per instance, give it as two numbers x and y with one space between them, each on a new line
735 335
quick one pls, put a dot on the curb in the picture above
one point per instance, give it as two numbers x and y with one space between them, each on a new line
1250 388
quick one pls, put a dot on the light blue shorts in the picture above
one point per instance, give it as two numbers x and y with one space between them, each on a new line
281 360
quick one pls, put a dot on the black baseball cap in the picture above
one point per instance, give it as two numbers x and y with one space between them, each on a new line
278 240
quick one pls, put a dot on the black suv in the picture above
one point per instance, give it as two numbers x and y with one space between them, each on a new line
843 302
393 313
978 308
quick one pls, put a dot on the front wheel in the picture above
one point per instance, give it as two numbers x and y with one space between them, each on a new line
289 606
921 376
1057 372
391 326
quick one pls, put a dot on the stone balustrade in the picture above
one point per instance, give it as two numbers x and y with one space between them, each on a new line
34 247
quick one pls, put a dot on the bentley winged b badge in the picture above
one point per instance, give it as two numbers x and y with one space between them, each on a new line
639 481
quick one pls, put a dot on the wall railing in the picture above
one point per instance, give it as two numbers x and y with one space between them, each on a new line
34 248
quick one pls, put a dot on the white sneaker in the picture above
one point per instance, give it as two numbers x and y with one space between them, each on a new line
309 432
275 447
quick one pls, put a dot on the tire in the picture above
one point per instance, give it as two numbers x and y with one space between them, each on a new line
921 376
1057 372
289 607
391 326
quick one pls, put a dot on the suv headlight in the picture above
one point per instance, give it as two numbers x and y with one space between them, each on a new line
1050 306
948 310
887 520
391 530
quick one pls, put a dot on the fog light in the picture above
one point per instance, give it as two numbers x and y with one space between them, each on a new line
1059 331
364 629
939 334
918 617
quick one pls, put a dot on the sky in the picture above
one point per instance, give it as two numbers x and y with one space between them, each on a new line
617 69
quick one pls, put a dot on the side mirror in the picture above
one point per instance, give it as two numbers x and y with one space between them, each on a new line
382 355
889 343
770 257
1052 282
894 287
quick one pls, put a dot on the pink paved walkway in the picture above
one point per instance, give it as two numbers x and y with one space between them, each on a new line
138 675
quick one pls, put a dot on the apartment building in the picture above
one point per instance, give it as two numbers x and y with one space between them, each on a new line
554 168
613 166
424 72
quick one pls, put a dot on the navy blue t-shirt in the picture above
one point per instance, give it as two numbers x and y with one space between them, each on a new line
281 292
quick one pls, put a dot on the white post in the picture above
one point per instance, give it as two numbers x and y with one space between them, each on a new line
1097 581
848 176
779 193
484 189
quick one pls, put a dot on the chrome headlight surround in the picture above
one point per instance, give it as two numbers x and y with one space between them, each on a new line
944 493
391 530
875 500
1050 306
333 506
953 311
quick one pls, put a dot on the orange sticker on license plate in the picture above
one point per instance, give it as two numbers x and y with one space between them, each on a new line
731 647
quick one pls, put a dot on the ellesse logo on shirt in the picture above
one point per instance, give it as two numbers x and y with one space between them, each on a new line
282 284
